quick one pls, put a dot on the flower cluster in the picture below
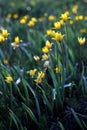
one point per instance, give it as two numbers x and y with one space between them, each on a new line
4 34
40 77
24 19
79 18
32 22
47 47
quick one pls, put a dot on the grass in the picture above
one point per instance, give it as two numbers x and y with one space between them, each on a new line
42 63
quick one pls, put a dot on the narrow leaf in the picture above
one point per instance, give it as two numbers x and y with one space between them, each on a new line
30 113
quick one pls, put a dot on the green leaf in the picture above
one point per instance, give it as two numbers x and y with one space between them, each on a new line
19 92
85 125
14 119
35 96
25 52
61 125
46 100
85 83
77 119
30 113
56 85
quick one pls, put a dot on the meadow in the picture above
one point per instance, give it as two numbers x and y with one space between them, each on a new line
43 65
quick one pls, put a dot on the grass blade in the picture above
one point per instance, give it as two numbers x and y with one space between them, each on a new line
30 113
77 119
61 125
14 119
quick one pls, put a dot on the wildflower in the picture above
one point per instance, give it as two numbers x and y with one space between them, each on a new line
15 16
9 79
16 42
4 33
14 45
36 58
31 24
38 80
41 19
26 17
71 22
57 70
34 20
32 72
49 32
18 81
6 62
51 18
48 44
58 37
2 39
9 16
23 21
80 18
81 40
67 13
45 14
64 17
53 33
77 18
85 18
83 31
57 25
45 50
75 9
44 57
41 75
46 64
62 22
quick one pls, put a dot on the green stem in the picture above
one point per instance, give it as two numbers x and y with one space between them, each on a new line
11 96
63 70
